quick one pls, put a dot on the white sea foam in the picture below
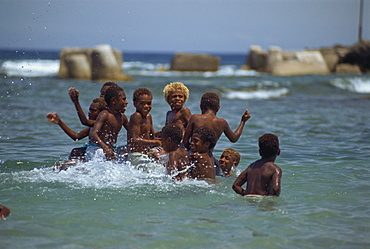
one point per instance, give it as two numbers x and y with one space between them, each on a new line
356 84
258 94
43 68
30 68
103 175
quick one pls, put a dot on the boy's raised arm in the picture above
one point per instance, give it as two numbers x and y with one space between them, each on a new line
234 136
54 118
73 94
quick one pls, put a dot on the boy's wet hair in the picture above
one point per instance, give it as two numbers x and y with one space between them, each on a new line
268 144
173 131
235 154
168 89
210 101
101 102
207 135
109 83
112 91
141 91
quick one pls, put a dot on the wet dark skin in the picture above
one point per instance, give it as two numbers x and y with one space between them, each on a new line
262 177
108 124
178 160
74 95
140 135
93 114
202 159
179 114
209 119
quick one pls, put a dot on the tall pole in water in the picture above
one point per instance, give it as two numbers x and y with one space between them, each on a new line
360 22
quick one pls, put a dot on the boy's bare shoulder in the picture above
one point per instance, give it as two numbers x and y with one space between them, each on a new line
270 167
185 110
135 115
103 115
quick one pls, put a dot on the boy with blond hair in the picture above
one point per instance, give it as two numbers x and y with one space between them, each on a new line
229 160
176 94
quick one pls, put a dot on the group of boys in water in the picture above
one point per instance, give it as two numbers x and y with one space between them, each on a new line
184 145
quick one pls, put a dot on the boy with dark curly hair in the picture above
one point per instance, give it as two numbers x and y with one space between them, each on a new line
262 176
203 141
176 159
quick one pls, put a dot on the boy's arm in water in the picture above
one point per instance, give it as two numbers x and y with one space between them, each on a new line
239 182
275 182
54 118
73 94
234 136
94 134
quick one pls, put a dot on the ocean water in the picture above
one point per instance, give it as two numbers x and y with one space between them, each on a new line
323 122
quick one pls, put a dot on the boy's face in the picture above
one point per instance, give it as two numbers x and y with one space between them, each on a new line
197 144
143 104
121 102
226 161
176 99
94 111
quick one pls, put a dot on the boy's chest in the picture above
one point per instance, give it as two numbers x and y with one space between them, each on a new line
145 125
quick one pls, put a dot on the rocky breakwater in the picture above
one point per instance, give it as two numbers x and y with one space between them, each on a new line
100 63
338 59
285 63
194 62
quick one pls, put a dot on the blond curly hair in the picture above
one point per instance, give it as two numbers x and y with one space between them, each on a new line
168 89
235 154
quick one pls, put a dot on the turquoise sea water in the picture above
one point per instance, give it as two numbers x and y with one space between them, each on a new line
323 126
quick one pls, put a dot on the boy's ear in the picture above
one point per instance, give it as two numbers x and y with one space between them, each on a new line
278 152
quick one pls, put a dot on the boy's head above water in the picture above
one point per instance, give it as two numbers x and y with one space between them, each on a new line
96 107
175 86
229 159
105 87
141 91
210 101
268 145
206 135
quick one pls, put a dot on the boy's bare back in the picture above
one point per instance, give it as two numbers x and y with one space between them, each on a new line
262 177
218 125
